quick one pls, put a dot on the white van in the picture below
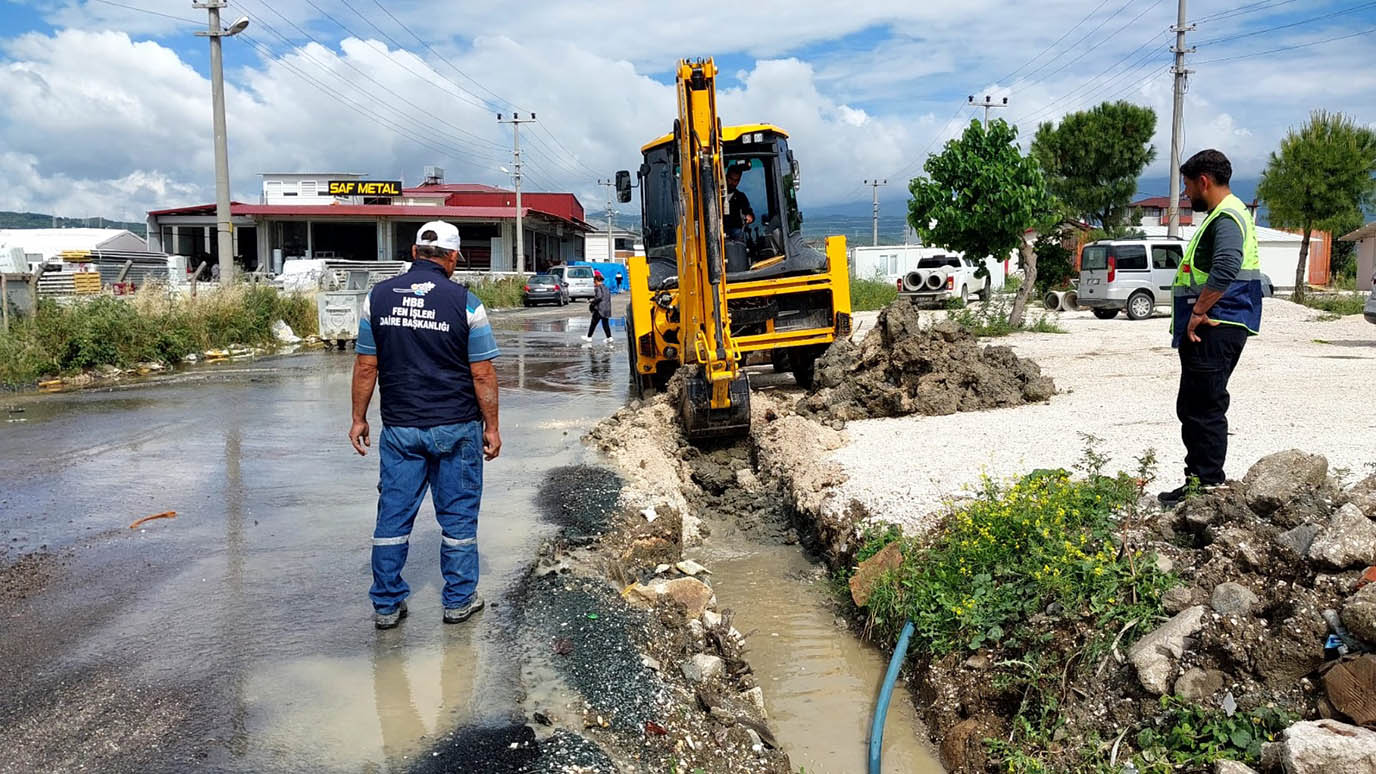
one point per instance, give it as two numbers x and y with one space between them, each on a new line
577 280
1135 275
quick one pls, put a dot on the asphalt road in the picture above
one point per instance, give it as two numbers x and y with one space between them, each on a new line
237 636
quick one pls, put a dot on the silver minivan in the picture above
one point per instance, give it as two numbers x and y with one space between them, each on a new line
577 280
1135 275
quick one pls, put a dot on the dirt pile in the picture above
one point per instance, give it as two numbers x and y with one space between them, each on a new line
1265 569
902 368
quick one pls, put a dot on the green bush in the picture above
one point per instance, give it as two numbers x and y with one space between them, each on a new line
499 293
990 318
1192 737
152 326
1340 304
867 295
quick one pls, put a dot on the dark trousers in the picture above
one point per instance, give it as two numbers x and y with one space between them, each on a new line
1202 404
606 325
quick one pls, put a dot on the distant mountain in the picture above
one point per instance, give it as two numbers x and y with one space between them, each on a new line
39 220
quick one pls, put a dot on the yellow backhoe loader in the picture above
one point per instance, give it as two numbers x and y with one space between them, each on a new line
726 273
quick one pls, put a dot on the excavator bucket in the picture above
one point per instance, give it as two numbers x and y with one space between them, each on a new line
701 421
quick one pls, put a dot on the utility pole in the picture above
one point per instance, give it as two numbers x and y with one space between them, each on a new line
223 227
516 122
1178 119
987 104
875 185
611 186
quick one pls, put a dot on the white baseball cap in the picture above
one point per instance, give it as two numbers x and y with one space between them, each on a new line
446 235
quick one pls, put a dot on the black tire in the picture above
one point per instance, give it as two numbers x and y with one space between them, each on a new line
526 304
1106 314
637 384
1140 305
804 362
778 358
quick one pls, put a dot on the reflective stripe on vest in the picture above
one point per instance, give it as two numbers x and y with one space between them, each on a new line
1241 302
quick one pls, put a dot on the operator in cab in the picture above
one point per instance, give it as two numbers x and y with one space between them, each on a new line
738 212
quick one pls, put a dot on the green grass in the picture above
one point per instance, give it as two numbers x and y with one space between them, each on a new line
1017 572
867 295
1340 304
65 338
990 318
499 293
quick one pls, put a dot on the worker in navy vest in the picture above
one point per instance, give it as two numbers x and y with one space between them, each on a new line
1217 307
425 340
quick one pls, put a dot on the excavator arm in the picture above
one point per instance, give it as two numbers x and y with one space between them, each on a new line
716 398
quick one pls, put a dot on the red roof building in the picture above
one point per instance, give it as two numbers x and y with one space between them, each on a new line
298 217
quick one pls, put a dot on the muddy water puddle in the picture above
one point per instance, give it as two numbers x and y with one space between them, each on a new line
820 682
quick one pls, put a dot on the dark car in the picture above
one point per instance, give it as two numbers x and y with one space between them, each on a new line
544 289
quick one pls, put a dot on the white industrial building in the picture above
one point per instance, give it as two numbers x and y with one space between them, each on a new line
23 248
625 245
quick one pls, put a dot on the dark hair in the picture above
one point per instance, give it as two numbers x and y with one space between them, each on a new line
1208 162
430 251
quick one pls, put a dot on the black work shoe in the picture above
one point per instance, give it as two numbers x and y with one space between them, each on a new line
389 620
1180 494
453 615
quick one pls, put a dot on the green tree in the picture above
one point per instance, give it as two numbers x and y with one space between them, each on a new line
1093 158
980 197
1319 179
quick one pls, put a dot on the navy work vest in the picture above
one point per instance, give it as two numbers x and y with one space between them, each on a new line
420 324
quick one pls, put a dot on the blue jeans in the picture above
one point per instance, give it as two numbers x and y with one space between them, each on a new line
448 460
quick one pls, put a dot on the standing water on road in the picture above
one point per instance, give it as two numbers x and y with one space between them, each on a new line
238 635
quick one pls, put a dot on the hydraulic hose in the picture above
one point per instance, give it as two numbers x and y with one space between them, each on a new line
881 709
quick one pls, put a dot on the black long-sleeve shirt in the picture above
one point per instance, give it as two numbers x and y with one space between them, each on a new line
1219 252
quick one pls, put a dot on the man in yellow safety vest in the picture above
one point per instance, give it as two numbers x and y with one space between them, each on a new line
1217 307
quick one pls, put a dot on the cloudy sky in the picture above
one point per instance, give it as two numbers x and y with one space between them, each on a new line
107 104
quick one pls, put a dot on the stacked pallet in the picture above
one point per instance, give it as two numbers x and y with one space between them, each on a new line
144 267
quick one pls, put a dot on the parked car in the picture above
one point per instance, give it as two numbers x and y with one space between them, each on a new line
577 280
1369 310
1133 275
544 289
940 277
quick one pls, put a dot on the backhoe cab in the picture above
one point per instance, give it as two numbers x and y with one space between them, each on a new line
726 273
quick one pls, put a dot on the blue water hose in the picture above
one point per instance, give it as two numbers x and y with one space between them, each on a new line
881 709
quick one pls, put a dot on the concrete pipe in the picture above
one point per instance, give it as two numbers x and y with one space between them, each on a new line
935 280
1052 301
912 281
1071 301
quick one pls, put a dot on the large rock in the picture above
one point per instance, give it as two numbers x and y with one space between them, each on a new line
1233 599
1155 655
1348 541
869 572
1278 478
703 667
691 594
1232 767
1359 614
1196 685
1324 747
1298 540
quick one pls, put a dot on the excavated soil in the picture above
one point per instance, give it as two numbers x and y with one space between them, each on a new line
902 368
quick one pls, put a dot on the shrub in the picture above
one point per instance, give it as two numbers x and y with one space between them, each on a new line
498 293
867 295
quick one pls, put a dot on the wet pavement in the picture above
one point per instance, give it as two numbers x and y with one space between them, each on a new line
236 636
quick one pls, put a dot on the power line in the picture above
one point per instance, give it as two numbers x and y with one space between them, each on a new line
1024 81
1057 42
1106 39
1243 10
1311 20
153 13
1099 81
1288 48
427 46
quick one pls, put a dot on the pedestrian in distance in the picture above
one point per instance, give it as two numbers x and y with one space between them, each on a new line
601 308
1217 306
426 341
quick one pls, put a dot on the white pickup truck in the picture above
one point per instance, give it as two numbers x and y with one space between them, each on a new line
940 277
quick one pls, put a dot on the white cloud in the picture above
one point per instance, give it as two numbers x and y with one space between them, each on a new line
864 90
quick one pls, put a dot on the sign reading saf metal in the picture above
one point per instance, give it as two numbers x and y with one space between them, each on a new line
365 188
